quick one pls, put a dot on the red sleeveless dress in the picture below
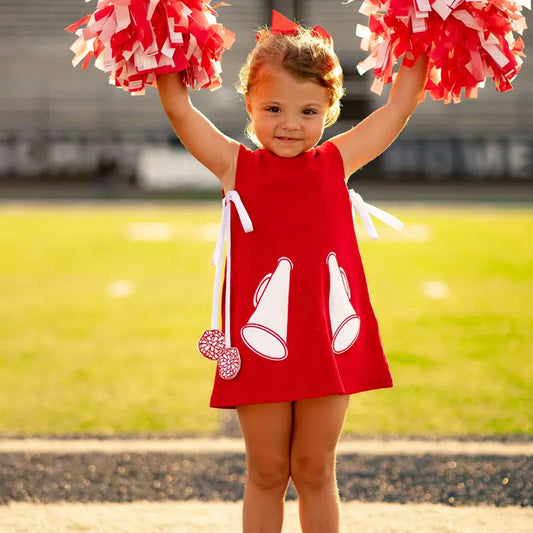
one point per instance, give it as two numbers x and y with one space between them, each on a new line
300 313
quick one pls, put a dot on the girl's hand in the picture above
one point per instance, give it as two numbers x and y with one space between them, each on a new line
203 140
374 134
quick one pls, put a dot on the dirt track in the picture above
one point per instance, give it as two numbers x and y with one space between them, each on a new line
154 486
198 517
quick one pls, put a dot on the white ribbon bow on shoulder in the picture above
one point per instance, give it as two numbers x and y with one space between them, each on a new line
365 210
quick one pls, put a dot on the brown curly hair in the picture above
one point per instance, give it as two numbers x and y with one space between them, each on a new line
304 54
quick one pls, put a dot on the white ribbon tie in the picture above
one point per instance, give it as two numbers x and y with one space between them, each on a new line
365 210
218 258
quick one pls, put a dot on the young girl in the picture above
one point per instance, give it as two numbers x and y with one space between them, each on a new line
298 310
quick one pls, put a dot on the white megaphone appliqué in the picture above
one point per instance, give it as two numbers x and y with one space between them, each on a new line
266 330
344 320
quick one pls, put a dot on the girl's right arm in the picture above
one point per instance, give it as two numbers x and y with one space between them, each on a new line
202 139
375 133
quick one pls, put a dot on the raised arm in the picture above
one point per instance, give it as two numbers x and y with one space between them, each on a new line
374 134
202 139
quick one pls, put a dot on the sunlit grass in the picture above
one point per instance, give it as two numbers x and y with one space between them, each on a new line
75 358
462 362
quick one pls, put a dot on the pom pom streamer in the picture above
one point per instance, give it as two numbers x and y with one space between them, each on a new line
134 40
466 41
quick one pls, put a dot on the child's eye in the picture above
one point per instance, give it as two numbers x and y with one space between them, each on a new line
309 112
273 109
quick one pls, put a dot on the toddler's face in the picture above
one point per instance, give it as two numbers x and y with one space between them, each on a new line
288 113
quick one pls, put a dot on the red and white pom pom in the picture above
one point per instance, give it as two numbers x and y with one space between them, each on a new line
466 41
229 363
133 40
211 343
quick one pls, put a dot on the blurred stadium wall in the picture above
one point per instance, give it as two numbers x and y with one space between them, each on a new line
61 123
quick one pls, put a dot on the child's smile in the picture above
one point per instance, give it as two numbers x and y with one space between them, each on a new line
288 139
288 113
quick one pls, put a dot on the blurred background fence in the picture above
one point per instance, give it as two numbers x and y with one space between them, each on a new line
63 125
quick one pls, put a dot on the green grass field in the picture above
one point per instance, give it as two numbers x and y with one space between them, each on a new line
81 353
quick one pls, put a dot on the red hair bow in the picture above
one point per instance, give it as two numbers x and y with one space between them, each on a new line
282 25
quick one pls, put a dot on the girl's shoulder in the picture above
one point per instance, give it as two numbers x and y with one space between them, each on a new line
331 153
329 148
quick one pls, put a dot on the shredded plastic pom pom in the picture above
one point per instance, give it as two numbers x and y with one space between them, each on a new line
466 42
133 40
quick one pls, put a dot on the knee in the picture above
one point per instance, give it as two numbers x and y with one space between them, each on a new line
311 472
269 473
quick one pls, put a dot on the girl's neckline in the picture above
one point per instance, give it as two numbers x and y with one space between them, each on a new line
295 158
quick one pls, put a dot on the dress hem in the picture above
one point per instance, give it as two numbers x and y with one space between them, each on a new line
362 388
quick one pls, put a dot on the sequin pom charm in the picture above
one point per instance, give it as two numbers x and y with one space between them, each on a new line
229 363
212 346
211 343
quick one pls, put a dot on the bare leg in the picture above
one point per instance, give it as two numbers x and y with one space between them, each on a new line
267 434
317 427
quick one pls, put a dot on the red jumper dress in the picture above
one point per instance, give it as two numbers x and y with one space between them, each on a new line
300 313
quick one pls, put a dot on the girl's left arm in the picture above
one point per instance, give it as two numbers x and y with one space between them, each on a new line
375 133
